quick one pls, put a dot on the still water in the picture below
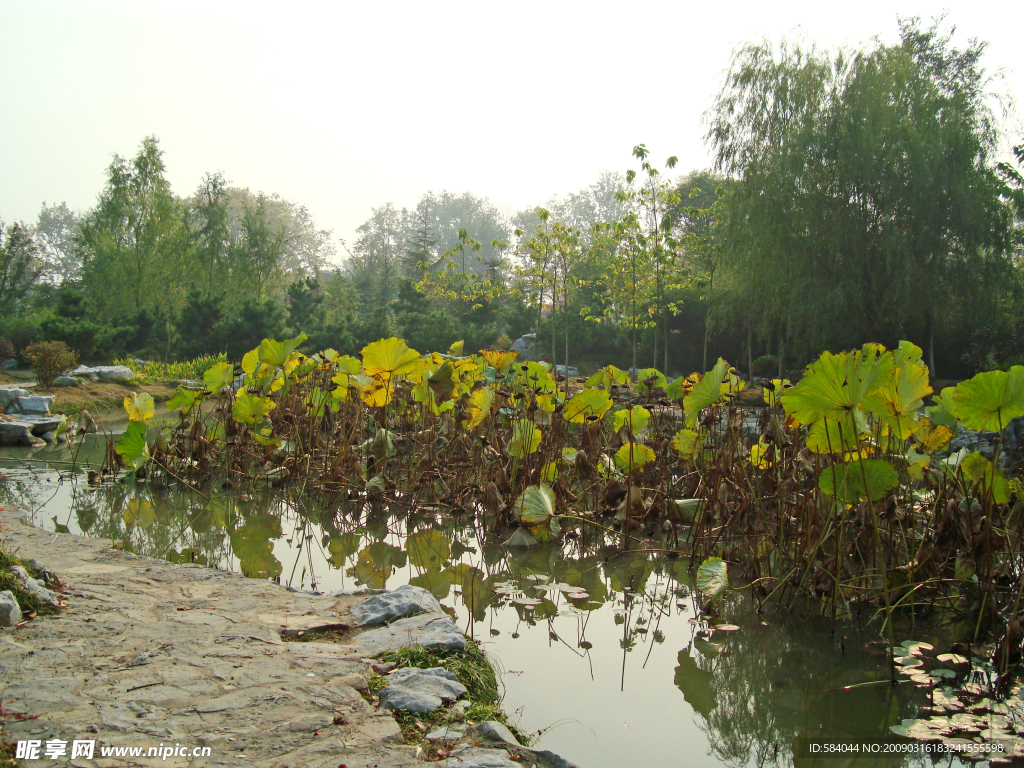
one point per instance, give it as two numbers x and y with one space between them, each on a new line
607 654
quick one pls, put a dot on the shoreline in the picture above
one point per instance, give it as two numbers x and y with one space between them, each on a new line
147 652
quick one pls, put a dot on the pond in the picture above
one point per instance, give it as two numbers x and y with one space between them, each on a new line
608 654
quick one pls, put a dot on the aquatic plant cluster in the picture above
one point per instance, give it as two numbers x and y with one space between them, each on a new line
840 490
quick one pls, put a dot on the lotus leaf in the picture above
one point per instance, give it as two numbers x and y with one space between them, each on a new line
650 378
707 392
762 454
585 404
607 377
132 445
636 417
390 357
139 406
942 412
218 376
713 577
442 382
897 400
251 361
633 456
981 471
456 348
251 409
185 399
277 353
480 403
772 395
525 439
499 358
139 512
859 480
535 510
687 442
991 399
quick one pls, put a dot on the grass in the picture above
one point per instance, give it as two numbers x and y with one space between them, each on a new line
473 669
100 396
9 581
155 371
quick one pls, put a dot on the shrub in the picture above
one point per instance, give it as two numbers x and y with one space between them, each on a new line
7 350
766 365
48 359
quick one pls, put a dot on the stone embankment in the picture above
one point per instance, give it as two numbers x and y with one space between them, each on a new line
147 653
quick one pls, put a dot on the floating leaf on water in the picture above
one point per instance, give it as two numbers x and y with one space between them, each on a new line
713 577
909 661
725 628
526 601
952 658
706 648
947 673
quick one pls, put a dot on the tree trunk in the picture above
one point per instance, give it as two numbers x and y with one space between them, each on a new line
782 354
929 331
750 353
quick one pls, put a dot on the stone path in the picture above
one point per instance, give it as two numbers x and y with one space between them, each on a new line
148 652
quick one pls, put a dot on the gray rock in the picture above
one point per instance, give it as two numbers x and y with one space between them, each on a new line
446 733
356 592
475 757
8 364
421 690
197 386
35 587
10 611
104 372
48 437
9 396
65 381
492 730
550 759
389 606
34 442
43 424
428 630
14 431
33 405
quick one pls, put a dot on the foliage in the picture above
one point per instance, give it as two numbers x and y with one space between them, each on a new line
49 359
154 371
19 268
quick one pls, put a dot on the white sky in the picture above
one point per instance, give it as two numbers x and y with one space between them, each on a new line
344 108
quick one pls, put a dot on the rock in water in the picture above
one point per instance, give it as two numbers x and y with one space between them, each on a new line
10 611
421 690
492 730
389 606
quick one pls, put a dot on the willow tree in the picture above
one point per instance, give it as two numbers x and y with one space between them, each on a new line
866 188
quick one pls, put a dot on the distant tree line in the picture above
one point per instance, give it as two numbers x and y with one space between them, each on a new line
855 196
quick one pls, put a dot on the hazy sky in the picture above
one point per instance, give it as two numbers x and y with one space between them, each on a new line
342 107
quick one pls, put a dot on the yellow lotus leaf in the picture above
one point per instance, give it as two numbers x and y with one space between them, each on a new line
374 392
251 361
499 358
139 406
480 403
588 405
771 396
633 456
607 377
762 454
388 358
937 438
456 348
687 442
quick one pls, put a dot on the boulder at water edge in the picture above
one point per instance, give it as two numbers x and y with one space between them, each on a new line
10 611
389 606
421 690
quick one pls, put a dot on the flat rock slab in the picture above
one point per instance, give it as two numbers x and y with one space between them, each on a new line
147 651
428 630
492 730
104 372
476 757
447 733
421 690
9 395
391 606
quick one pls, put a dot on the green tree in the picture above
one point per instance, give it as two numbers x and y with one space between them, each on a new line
134 245
20 269
56 233
259 249
866 190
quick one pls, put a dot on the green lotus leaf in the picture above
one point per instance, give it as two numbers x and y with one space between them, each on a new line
705 393
991 399
897 400
836 385
442 382
587 403
185 399
218 376
535 510
607 377
859 480
981 471
942 412
650 378
713 577
276 353
525 439
251 409
687 442
132 445
636 417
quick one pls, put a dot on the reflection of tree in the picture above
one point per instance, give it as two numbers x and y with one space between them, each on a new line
771 684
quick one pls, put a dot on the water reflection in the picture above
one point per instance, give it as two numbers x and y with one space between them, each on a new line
615 649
